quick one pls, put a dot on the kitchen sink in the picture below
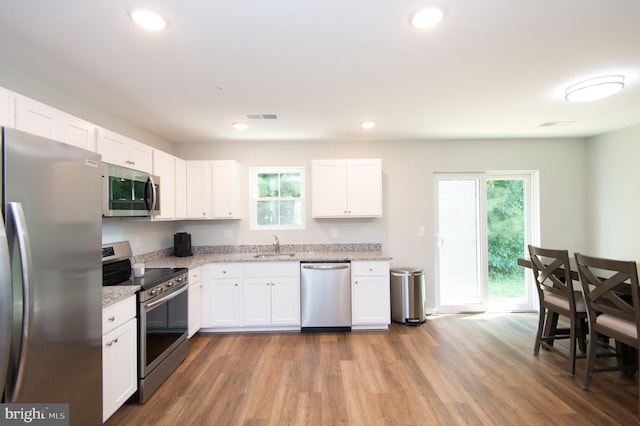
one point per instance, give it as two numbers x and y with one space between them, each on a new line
273 255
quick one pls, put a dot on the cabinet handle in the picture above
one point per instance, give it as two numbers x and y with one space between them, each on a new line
112 342
112 318
236 284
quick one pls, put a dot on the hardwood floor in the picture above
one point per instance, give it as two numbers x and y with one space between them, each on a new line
454 369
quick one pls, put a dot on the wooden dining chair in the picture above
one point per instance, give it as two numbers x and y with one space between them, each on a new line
612 297
552 275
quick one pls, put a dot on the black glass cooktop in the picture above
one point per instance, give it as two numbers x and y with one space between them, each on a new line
152 277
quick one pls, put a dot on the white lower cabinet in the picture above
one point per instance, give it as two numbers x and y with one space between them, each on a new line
221 295
119 355
259 296
370 294
195 301
271 293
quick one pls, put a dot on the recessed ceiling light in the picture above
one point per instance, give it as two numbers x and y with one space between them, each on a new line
595 88
240 126
427 18
148 19
368 124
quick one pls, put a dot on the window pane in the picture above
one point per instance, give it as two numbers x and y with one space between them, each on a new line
291 213
290 185
267 185
267 213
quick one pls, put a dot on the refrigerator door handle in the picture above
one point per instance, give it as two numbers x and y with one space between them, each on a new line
17 218
6 305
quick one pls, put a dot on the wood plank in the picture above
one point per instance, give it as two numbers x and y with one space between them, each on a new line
454 369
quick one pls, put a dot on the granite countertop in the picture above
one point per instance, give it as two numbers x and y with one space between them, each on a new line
225 254
116 293
199 259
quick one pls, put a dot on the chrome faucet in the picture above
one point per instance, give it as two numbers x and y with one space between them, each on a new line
276 244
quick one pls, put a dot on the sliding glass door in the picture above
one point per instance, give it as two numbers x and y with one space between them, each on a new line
483 224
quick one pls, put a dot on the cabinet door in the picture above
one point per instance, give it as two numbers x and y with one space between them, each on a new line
225 187
329 188
370 300
181 188
123 151
364 188
226 303
140 156
285 301
199 189
257 301
35 117
195 302
76 132
119 367
164 168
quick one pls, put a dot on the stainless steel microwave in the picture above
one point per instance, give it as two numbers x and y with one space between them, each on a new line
129 193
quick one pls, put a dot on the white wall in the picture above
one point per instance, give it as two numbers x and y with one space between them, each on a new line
26 84
408 169
614 194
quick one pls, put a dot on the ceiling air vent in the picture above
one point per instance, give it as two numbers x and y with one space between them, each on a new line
262 116
556 123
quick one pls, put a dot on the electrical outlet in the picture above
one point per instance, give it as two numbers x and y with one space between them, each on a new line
137 241
228 233
421 231
334 233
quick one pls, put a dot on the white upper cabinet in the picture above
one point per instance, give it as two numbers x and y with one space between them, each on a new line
226 188
123 151
164 168
346 188
77 132
199 189
35 117
43 120
6 108
212 189
181 188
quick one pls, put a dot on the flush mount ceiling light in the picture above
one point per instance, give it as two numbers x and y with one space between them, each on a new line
148 19
240 126
427 18
368 124
595 88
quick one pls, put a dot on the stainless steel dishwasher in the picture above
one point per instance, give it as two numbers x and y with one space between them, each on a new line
325 292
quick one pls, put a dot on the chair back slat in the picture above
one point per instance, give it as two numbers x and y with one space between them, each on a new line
552 272
610 287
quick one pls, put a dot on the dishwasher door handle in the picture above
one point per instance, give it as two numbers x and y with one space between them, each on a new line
326 267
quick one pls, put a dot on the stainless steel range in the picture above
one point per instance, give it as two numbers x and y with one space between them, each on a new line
162 315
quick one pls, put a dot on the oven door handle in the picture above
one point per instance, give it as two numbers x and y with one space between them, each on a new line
155 303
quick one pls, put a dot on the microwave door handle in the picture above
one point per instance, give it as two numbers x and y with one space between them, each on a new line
6 304
17 219
150 203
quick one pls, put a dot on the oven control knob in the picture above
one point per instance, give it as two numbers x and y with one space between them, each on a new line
169 284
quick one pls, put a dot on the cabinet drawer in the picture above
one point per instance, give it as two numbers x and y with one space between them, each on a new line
117 314
224 270
194 275
271 269
375 268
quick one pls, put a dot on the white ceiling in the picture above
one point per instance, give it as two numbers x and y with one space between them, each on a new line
491 69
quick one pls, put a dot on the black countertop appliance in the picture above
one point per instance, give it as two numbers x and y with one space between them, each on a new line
182 244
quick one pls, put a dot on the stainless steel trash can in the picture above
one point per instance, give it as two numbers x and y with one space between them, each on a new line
408 296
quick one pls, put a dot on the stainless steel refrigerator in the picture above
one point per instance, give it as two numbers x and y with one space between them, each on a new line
51 275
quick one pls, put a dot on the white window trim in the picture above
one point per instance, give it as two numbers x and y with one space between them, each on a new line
253 195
